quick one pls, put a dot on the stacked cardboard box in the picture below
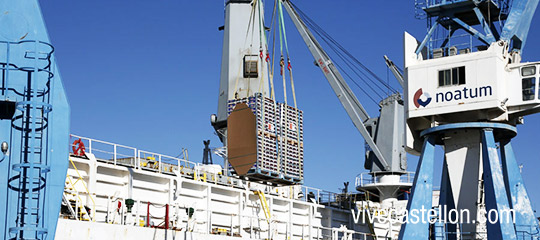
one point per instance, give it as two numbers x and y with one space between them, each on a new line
279 140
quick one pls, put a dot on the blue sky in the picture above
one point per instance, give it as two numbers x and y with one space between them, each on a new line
145 73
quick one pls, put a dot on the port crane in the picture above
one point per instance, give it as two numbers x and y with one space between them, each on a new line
385 154
467 90
382 156
466 126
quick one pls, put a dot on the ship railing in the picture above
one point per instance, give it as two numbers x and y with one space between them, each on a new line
144 214
455 45
308 231
315 195
162 163
118 154
432 3
363 179
327 198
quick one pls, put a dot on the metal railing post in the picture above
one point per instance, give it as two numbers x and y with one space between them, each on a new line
114 153
136 160
90 145
139 158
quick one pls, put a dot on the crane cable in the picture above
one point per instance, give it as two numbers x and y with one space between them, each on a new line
271 66
310 24
283 136
262 37
342 70
282 35
289 68
329 39
269 62
354 64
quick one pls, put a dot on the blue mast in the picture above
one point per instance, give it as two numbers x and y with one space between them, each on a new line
34 125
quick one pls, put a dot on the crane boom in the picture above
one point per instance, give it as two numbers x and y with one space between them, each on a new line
352 106
395 71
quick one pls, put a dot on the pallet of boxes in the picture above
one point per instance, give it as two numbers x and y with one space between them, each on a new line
265 140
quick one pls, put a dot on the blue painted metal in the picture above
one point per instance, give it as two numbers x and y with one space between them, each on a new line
32 176
446 199
525 222
508 130
474 32
485 25
518 23
501 184
514 15
421 194
427 37
495 190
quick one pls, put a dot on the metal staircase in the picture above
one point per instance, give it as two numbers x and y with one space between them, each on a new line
264 205
72 199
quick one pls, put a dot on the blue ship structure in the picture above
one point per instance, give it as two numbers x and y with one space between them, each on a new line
34 125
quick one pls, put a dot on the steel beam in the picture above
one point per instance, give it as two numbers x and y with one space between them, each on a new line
446 199
487 28
422 194
516 27
427 37
524 220
483 38
495 191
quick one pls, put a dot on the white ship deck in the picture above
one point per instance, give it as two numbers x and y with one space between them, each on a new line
164 188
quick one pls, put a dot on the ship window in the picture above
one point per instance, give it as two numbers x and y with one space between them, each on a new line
251 66
528 71
528 86
450 77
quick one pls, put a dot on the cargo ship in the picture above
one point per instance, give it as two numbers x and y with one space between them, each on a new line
120 192
115 191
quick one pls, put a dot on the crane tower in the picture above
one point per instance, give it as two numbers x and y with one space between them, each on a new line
467 89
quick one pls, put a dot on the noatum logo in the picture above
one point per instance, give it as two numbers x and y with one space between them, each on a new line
465 93
423 98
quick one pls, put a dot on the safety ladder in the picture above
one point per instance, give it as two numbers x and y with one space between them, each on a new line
76 207
70 188
264 205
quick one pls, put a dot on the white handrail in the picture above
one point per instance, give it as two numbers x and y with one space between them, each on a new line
371 178
162 159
